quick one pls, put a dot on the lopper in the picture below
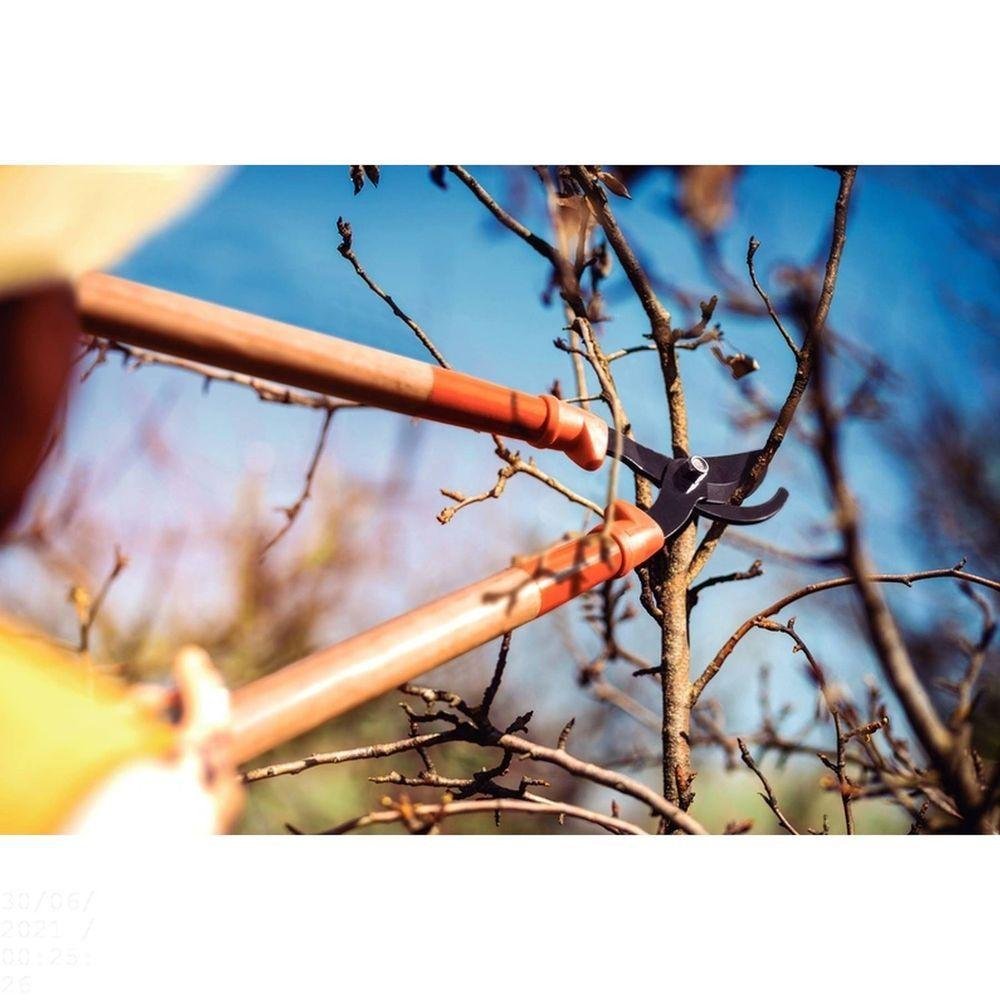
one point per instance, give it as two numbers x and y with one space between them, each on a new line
298 697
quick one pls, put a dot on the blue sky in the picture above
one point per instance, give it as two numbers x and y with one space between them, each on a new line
265 240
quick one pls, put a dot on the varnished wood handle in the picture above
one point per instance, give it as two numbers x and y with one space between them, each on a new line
163 321
299 697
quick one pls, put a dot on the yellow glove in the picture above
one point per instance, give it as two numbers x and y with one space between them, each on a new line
84 753
62 731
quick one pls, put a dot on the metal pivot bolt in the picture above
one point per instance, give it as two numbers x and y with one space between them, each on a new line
692 472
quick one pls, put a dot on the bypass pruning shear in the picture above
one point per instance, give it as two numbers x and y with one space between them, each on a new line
305 694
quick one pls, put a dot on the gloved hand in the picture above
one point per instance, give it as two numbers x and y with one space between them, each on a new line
194 790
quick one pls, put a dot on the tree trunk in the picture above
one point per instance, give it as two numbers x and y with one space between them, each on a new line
675 678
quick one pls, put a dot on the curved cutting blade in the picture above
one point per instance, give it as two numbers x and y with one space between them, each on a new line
743 515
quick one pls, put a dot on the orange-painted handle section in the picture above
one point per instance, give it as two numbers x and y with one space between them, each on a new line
571 568
158 320
543 421
326 684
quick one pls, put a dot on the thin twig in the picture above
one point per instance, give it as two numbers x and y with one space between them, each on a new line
268 392
604 691
746 542
346 251
504 217
752 572
752 247
843 783
87 608
494 685
803 370
601 776
768 794
907 579
372 752
432 814
514 465
624 352
292 512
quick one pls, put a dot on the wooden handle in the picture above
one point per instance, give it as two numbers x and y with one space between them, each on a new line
158 320
328 683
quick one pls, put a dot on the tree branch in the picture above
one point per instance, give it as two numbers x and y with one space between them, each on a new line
768 794
505 218
752 247
803 369
267 392
345 249
292 511
907 579
430 815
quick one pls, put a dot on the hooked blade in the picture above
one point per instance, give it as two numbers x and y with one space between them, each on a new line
732 514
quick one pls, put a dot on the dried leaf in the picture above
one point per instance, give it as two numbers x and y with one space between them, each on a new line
438 177
358 177
705 196
373 174
739 365
613 184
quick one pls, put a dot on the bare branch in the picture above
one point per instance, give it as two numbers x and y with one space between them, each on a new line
344 756
907 579
431 815
803 369
768 794
752 247
977 657
659 317
292 512
481 735
755 569
88 608
504 217
948 755
839 770
514 465
268 392
346 251
602 776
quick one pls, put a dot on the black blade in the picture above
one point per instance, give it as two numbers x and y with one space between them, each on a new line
743 515
728 470
672 510
639 458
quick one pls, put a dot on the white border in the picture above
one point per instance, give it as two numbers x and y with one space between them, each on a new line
523 81
442 917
